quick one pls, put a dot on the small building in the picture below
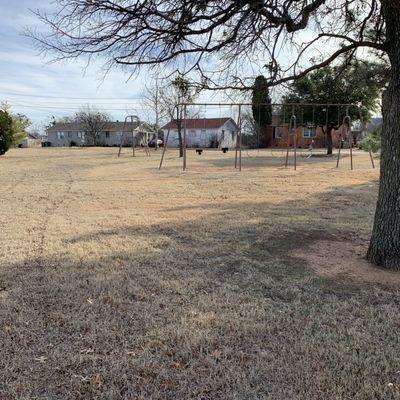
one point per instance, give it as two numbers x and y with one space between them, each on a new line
203 132
30 140
307 135
74 134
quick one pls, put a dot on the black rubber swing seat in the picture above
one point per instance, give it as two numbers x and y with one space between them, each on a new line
225 149
199 151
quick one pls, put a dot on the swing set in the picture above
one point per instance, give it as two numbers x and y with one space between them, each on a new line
136 133
219 139
294 114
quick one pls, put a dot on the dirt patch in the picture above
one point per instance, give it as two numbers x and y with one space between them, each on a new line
340 259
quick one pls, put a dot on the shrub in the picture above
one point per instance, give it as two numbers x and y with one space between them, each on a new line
6 131
372 141
72 143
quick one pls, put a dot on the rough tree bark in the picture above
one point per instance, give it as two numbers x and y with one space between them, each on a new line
329 141
180 138
384 249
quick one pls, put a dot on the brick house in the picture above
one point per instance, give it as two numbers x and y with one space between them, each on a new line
276 135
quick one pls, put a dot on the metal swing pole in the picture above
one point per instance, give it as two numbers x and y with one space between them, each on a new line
340 139
363 127
240 138
326 127
133 139
237 141
122 137
164 149
131 117
350 138
372 159
292 118
184 138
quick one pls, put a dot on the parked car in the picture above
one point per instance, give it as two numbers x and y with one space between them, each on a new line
152 143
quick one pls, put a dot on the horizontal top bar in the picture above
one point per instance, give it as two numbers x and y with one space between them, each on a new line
272 104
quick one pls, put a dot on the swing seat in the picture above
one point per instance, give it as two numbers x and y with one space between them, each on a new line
199 151
225 149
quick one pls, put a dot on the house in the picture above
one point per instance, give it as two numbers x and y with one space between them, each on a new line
30 140
203 132
74 134
374 124
307 135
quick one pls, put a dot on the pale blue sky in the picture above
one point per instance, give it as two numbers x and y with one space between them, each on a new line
25 75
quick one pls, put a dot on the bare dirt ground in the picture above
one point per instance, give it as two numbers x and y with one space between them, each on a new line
118 281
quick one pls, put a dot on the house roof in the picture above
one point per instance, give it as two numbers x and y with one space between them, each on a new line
200 123
110 126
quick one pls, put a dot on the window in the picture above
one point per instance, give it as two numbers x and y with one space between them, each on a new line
277 132
81 135
309 131
69 134
192 134
107 134
60 135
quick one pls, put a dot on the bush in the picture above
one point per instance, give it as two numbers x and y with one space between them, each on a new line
6 131
371 141
72 143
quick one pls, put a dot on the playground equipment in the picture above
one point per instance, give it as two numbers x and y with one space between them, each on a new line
137 135
220 137
289 118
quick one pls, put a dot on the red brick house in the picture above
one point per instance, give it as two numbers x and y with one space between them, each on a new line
276 135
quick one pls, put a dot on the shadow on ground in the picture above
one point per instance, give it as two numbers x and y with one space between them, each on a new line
205 309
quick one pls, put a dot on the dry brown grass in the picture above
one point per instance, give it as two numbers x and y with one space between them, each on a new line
121 282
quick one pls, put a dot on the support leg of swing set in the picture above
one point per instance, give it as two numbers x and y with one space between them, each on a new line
133 145
238 147
340 147
240 138
295 152
287 150
351 153
184 138
164 150
122 137
372 159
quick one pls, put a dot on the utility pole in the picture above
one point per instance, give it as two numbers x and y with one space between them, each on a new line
156 100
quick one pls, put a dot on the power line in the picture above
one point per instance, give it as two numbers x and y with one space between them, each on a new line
3 93
40 107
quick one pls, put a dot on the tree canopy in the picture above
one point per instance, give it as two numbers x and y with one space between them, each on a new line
216 40
361 84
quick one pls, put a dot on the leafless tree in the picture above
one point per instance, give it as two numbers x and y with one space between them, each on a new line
153 99
216 41
93 121
172 96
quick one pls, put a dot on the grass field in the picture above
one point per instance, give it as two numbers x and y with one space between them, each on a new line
118 281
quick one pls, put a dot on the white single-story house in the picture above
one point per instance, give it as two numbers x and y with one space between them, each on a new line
72 133
203 132
30 141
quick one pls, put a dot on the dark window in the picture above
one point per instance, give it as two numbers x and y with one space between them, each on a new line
107 135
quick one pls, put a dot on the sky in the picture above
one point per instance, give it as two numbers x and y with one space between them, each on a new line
40 89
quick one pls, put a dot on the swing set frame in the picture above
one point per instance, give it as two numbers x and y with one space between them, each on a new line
292 129
134 131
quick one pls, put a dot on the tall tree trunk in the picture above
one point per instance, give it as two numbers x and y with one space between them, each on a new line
384 249
329 141
180 142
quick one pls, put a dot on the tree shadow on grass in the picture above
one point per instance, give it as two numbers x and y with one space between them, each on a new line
203 309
